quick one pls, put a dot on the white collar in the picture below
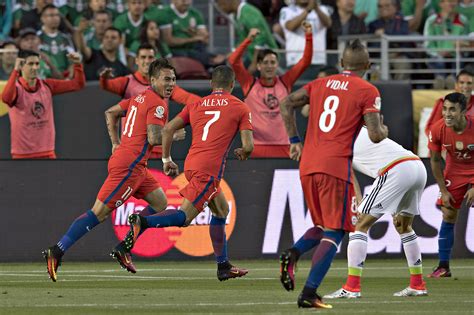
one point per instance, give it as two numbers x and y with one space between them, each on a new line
135 24
239 9
181 15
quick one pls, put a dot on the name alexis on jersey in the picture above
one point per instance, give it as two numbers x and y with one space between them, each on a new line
337 85
215 102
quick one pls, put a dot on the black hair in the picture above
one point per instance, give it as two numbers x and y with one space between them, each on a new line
111 28
144 38
356 45
263 53
222 77
157 65
102 12
464 72
47 7
457 98
145 46
27 53
8 42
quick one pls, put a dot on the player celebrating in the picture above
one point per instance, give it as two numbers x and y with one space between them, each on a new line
146 114
400 179
338 106
214 120
263 94
455 134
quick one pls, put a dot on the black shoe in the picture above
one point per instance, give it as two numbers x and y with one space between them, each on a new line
53 256
123 257
288 261
312 302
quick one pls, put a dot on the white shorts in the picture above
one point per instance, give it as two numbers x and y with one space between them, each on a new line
398 191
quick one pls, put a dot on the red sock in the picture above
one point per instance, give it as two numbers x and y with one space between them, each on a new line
416 282
352 283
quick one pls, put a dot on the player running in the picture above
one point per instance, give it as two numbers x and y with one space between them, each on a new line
455 134
214 121
146 114
400 178
339 105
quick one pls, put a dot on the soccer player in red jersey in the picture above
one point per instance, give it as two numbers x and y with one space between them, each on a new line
264 94
214 121
339 105
464 85
146 114
455 134
133 84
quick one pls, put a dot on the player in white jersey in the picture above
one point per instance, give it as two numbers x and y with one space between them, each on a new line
400 178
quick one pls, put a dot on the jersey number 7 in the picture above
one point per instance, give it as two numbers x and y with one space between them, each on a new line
217 115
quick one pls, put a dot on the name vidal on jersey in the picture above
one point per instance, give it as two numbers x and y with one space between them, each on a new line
337 85
215 102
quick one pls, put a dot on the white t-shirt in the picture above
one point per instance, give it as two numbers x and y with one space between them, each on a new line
371 157
296 40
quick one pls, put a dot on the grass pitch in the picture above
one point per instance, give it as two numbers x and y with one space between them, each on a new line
192 287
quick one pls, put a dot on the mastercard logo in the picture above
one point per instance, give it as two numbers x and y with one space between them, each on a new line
193 240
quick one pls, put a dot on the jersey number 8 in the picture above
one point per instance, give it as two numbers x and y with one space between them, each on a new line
331 103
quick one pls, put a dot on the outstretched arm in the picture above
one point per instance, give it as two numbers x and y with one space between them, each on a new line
244 77
77 82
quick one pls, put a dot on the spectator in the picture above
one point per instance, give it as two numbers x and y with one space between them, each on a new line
93 7
263 95
33 17
186 34
291 18
72 9
117 7
93 34
130 23
466 8
391 22
29 40
366 10
464 85
107 57
417 11
20 8
344 22
31 105
6 18
446 22
55 44
7 60
150 34
247 17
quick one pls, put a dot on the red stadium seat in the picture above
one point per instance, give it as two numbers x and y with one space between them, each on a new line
189 69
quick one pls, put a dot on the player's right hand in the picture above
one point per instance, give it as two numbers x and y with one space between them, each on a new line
107 73
295 151
170 169
446 198
19 63
253 33
179 134
240 154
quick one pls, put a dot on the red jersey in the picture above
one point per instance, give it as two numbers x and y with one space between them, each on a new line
460 148
214 120
147 108
437 113
337 106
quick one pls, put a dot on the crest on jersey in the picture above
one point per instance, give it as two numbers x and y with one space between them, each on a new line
459 145
159 112
378 103
140 99
470 147
118 203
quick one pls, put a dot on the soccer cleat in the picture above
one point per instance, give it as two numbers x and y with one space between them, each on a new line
229 273
287 269
53 261
315 302
124 258
343 294
440 272
132 235
412 292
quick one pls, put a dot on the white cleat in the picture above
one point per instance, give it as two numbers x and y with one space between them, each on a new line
342 294
411 292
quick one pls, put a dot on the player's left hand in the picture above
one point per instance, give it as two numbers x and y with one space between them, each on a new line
74 57
170 169
179 134
240 154
469 197
295 151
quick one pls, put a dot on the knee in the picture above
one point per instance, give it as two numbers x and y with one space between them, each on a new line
402 229
450 215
